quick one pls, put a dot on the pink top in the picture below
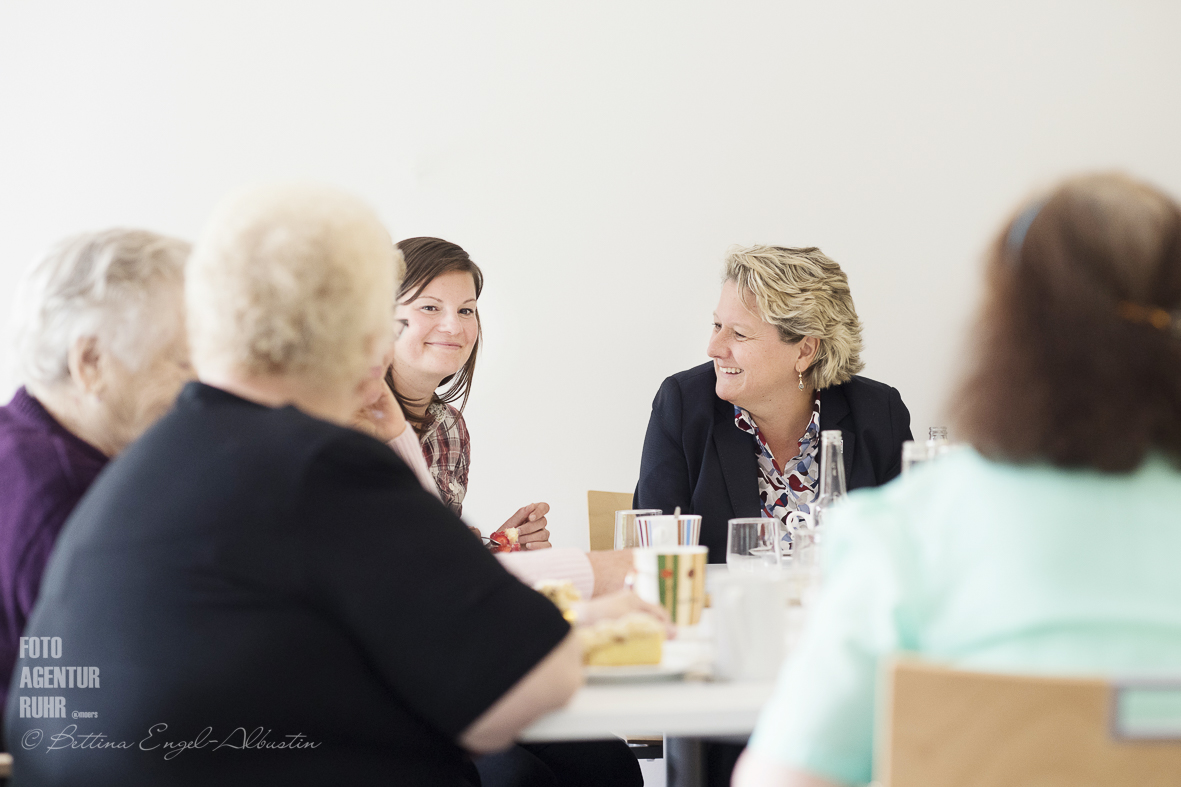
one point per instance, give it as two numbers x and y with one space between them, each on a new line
409 450
553 563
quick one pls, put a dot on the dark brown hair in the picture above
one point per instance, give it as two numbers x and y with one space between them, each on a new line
426 260
1078 350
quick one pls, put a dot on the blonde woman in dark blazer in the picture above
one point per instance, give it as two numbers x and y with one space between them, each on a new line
739 436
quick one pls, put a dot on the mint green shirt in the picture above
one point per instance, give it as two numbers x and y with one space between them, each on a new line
986 566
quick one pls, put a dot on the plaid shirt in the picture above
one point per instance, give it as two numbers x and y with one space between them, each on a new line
447 449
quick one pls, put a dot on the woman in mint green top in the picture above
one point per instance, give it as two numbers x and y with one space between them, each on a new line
1053 545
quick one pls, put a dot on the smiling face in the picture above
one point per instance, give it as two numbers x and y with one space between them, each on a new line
756 369
440 333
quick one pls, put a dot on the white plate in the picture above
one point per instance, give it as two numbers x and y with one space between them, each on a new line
673 665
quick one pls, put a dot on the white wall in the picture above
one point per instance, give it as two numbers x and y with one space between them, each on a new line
596 159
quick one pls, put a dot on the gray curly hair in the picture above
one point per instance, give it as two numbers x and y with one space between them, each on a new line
291 280
803 292
103 284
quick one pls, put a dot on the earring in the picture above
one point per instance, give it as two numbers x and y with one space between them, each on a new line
801 374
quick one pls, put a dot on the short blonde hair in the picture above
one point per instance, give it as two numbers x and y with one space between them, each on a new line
291 280
106 284
802 292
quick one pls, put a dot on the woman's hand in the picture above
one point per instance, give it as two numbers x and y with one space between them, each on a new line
611 567
616 605
531 526
381 418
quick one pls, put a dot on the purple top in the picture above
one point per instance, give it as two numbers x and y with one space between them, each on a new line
44 471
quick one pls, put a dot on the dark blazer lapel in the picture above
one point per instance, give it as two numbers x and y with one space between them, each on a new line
835 414
740 466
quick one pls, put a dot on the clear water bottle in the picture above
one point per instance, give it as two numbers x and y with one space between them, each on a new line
832 473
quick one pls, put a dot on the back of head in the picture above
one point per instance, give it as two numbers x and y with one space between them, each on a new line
291 281
1078 355
105 284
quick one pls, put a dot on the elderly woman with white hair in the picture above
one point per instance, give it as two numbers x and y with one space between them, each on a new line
739 436
270 596
100 346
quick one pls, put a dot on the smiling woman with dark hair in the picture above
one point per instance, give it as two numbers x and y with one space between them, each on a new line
432 365
438 305
1051 545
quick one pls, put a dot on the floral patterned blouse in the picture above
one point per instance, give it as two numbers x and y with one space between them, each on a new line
793 487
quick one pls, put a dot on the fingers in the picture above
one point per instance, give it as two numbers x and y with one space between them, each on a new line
529 527
620 603
611 568
536 540
382 418
535 530
528 519
652 609
535 518
517 519
637 604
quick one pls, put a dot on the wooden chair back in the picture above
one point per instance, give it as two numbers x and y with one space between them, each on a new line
950 728
602 507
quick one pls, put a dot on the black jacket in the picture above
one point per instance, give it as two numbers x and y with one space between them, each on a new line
696 458
243 568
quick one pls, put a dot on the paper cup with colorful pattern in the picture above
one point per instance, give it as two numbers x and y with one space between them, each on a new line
689 529
673 577
626 535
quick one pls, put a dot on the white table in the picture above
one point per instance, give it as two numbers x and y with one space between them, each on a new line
675 709
683 711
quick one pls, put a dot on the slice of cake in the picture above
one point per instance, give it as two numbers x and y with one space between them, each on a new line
635 638
505 540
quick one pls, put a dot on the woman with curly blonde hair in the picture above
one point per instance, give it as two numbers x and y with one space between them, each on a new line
739 436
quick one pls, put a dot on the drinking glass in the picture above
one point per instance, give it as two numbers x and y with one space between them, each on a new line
912 454
625 526
753 546
797 522
750 618
805 557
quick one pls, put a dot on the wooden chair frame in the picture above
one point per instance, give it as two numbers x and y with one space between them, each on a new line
949 728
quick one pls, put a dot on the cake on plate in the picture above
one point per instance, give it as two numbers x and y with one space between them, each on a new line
635 638
630 640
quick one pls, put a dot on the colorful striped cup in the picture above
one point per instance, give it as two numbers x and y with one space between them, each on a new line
673 577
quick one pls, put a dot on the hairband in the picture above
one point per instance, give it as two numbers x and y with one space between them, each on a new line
1150 315
1153 316
1021 226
